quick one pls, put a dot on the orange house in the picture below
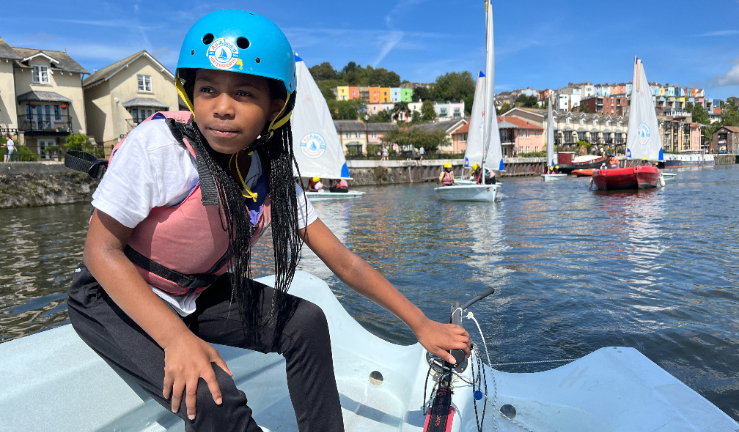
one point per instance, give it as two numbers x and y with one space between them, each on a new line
385 95
375 94
353 93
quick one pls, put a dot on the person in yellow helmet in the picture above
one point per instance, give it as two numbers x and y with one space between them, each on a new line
315 185
446 178
645 162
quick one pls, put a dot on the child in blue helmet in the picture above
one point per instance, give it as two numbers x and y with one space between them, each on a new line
181 203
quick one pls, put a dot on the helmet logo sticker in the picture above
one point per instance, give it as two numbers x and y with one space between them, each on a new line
223 54
313 145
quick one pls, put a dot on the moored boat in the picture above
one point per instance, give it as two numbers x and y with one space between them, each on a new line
583 172
550 175
468 192
567 163
694 158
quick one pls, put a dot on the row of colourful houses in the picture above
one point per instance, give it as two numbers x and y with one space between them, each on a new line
44 96
374 95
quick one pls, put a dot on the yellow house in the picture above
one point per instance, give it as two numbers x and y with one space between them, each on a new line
384 94
8 111
120 96
342 93
49 98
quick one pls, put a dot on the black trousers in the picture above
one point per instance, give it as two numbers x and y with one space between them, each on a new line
303 340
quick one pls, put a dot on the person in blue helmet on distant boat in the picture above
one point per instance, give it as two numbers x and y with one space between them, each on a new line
167 261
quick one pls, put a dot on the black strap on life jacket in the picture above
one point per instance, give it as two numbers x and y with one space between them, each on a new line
208 192
85 162
190 281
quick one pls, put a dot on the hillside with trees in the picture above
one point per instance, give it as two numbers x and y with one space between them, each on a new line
452 86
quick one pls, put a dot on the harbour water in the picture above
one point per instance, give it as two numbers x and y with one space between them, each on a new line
574 270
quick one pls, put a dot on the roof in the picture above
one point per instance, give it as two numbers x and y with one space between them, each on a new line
520 123
447 126
505 125
380 127
43 96
144 102
7 52
464 129
110 70
62 61
734 129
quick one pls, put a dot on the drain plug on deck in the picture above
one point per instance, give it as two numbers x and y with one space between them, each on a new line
508 410
376 378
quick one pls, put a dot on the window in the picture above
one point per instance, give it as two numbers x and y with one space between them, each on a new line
374 135
144 83
527 149
527 133
348 134
356 134
536 149
57 113
40 75
48 112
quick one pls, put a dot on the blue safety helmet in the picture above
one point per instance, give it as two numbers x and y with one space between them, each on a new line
237 41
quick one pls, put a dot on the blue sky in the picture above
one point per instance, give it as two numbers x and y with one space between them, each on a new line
538 44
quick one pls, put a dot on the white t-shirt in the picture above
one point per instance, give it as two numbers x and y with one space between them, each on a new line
10 144
153 170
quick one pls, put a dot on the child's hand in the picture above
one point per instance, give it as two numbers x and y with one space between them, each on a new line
439 338
187 360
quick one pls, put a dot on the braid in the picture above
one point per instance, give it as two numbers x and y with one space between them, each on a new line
236 222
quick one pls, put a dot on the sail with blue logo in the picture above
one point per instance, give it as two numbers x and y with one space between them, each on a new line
493 149
475 137
643 139
316 143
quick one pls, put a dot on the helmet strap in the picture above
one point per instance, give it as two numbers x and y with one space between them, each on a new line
183 94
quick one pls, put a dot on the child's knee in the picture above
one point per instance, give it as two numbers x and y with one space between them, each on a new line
232 398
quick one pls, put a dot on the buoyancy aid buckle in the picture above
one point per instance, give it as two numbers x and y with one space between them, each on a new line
85 162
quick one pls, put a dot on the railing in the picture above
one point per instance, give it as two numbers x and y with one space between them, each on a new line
36 123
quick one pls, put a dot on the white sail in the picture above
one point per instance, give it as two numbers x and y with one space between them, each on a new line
492 147
317 146
643 139
475 137
550 137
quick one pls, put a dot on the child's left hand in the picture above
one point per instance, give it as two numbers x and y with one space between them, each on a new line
439 338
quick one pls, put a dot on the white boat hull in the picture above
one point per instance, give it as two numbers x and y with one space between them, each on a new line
71 389
327 195
471 192
552 177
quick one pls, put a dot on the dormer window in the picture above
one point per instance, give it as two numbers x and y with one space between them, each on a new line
144 83
40 75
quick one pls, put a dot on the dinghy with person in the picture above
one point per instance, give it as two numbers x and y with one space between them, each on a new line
551 174
317 147
382 386
643 142
483 144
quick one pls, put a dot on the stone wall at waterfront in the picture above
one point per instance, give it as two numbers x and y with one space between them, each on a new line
372 172
35 184
726 159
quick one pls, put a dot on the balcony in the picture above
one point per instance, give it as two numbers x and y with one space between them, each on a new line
42 125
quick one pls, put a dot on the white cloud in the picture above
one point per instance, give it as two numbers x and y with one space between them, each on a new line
400 8
389 41
720 32
730 78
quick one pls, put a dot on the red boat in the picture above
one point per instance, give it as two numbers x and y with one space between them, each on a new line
639 177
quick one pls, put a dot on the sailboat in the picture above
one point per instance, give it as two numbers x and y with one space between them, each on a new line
643 142
483 143
551 162
317 146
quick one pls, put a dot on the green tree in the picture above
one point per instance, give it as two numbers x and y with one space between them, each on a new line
421 93
384 78
400 108
81 142
584 109
417 137
323 71
348 109
454 86
383 116
731 115
428 112
527 101
504 109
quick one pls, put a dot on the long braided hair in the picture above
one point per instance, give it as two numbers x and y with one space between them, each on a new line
278 151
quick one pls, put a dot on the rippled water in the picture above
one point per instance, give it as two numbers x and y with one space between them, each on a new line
574 270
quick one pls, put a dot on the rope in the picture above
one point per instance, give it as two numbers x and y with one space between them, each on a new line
471 316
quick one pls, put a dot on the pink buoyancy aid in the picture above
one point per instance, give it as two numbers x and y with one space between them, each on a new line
188 239
448 179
